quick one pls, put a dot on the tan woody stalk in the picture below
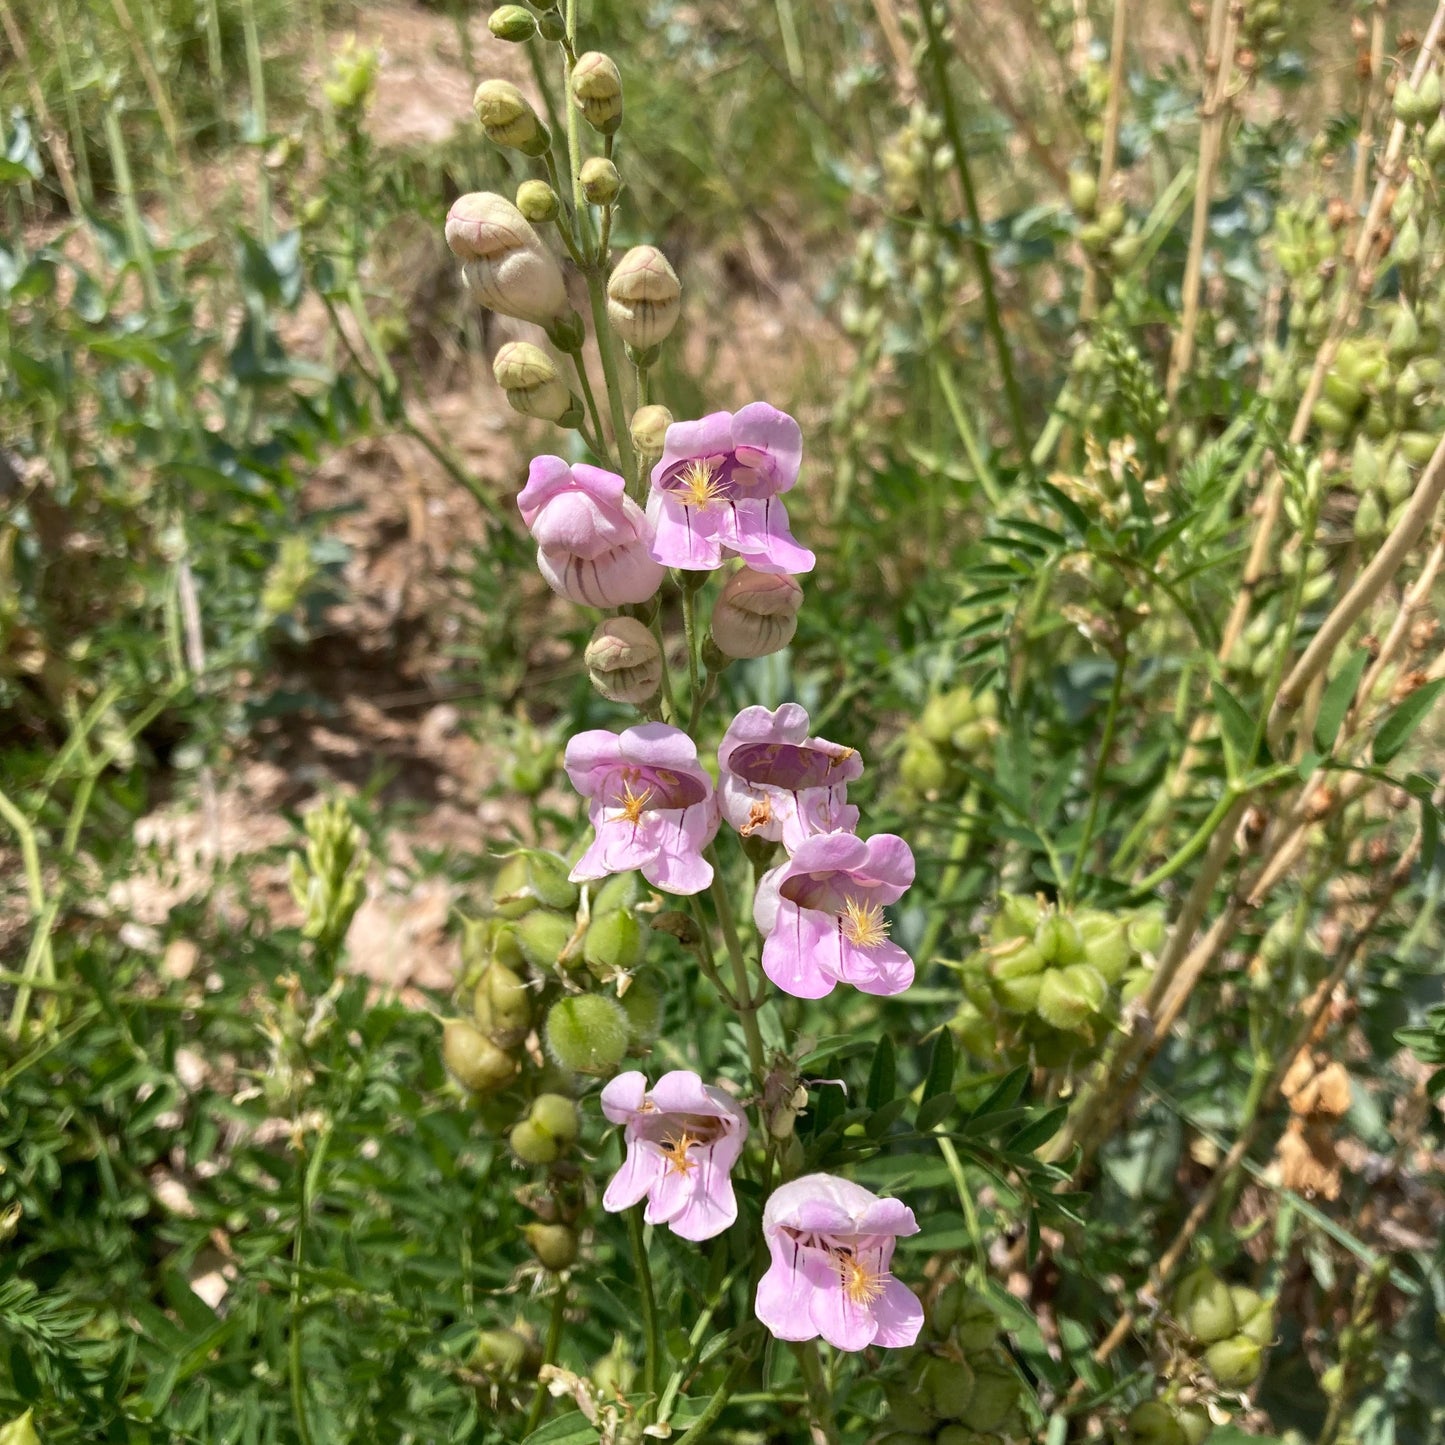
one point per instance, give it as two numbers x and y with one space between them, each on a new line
1109 150
1370 98
1218 71
1370 583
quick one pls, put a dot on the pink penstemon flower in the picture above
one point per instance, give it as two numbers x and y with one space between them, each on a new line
831 1243
821 914
778 783
592 539
717 491
683 1138
652 805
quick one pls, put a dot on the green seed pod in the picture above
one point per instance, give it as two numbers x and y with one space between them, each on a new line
614 943
1203 1307
1113 218
1369 518
908 1409
905 1437
922 769
587 1033
555 1245
1133 984
1255 1315
618 891
473 1060
1059 940
943 713
556 1115
532 1144
1083 192
512 22
1406 250
1404 338
976 1325
542 935
1364 463
500 1354
1235 1363
616 1371
1106 943
1015 958
1418 447
963 1435
600 180
1147 931
1430 98
1332 419
995 1391
973 1031
1017 917
1019 995
1152 1422
1343 392
1435 142
502 1006
1195 1422
948 1387
1070 997
643 1005
1406 102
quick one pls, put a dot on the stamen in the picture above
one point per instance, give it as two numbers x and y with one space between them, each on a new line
864 923
698 485
674 1150
760 814
633 804
861 1284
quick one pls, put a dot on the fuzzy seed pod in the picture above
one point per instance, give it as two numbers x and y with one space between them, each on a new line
512 22
472 1059
600 180
532 1144
555 1245
1194 1421
543 935
922 769
1083 192
1255 1315
502 1006
1152 1422
597 91
624 661
501 1354
531 878
538 202
587 1033
614 943
908 1409
948 1387
533 384
1235 1362
618 891
1106 943
556 1115
1070 997
995 1392
504 263
644 298
1203 1307
642 1003
649 433
756 614
508 118
1059 939
963 1435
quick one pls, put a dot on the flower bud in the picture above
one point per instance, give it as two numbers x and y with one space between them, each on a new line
543 935
502 1006
512 22
755 614
600 180
556 1115
508 118
555 1245
649 433
597 91
948 1387
533 384
1070 997
472 1059
644 298
1235 1363
538 202
532 1144
1203 1307
624 661
504 263
587 1033
1152 1422
642 1003
614 944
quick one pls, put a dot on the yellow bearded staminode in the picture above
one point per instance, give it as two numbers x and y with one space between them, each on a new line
861 1284
864 923
699 485
633 804
674 1150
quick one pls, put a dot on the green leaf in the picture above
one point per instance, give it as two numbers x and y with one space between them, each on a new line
883 1076
940 1067
569 1429
1003 1095
1337 698
933 1112
1039 1131
1235 725
1396 729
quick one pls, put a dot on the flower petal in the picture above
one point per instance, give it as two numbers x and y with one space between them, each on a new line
797 956
590 756
883 968
640 1172
783 1302
898 1314
764 428
623 1095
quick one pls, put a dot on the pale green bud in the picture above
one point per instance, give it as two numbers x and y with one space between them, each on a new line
533 384
512 22
644 298
624 661
538 202
508 118
649 433
600 181
597 91
504 262
472 1059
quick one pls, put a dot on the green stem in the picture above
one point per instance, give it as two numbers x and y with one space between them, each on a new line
651 1329
746 1009
585 382
1195 845
549 1356
965 1198
603 333
701 1428
1096 788
957 852
992 317
819 1395
966 433
574 140
668 696
689 631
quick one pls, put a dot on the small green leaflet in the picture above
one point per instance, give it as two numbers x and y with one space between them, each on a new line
1396 729
1336 701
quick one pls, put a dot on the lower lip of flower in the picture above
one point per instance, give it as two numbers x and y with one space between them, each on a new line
862 1280
701 482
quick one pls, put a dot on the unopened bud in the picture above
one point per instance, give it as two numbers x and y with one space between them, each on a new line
512 22
587 1033
508 118
472 1059
533 384
597 91
505 265
600 180
756 614
624 661
538 202
644 298
555 1245
649 433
